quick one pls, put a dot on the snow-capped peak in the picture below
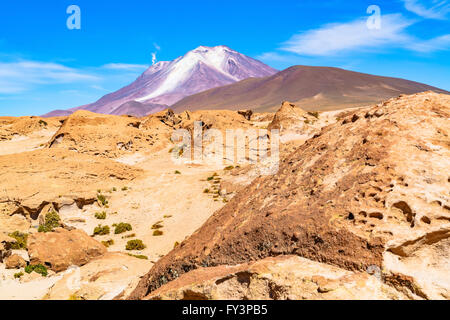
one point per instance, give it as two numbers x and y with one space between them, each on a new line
167 82
219 59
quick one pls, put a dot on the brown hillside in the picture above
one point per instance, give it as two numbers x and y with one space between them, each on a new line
368 191
314 88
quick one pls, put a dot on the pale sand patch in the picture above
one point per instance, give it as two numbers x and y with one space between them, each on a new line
19 144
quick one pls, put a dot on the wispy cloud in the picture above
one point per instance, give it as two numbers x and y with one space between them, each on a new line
157 47
338 39
441 43
124 66
355 35
430 9
19 76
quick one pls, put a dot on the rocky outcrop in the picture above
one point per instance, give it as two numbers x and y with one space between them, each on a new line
104 278
66 175
370 191
5 246
61 249
15 262
281 278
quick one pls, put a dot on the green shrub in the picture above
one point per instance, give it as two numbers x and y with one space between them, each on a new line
139 256
18 275
124 188
135 245
21 240
167 216
177 172
206 191
39 268
229 168
101 230
157 233
157 225
108 243
100 215
122 227
51 221
133 235
315 114
102 200
176 244
43 123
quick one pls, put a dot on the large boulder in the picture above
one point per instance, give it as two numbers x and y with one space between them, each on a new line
104 278
61 249
15 262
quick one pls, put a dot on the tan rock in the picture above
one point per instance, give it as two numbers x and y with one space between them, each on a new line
61 249
15 262
282 278
104 278
10 224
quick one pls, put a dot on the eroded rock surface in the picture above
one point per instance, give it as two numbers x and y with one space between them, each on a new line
371 185
61 249
281 278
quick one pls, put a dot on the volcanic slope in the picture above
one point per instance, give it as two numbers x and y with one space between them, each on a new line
313 88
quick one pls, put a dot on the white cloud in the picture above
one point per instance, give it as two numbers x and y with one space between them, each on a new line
19 76
430 9
355 35
441 43
124 66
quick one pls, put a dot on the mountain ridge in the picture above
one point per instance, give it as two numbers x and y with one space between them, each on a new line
314 88
167 82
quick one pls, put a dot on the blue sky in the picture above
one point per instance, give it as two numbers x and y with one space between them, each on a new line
45 66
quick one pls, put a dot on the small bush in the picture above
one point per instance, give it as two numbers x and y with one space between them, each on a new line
124 188
167 216
114 189
315 114
206 191
133 235
102 199
139 256
51 221
229 168
157 225
21 240
100 215
157 233
135 245
177 172
43 123
122 227
176 244
18 275
101 230
39 268
108 243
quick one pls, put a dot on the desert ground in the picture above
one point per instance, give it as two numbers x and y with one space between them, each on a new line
358 209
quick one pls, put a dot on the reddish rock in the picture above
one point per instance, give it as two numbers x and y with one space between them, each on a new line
61 249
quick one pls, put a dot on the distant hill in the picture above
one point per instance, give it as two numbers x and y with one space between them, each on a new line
312 88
